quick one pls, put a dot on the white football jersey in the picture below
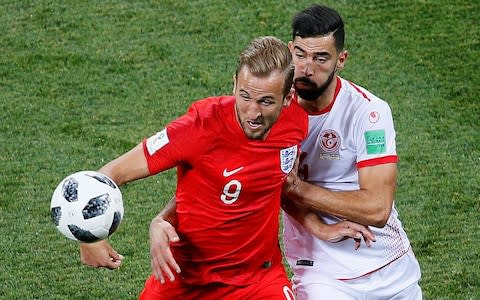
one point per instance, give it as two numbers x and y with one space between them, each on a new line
354 132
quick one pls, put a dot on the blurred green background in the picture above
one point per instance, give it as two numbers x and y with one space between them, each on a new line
82 82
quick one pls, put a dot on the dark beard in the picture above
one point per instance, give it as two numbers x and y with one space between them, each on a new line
315 92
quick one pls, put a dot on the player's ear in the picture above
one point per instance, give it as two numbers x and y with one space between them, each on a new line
234 83
290 46
342 58
288 98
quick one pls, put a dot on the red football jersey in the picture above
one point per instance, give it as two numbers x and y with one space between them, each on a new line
228 188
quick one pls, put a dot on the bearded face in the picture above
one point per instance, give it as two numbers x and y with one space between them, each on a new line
316 61
310 90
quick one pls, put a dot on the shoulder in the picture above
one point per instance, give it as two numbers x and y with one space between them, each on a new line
201 125
202 118
209 110
211 105
293 121
359 97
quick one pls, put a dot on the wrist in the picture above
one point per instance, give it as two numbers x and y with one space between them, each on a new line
314 225
292 190
156 221
160 218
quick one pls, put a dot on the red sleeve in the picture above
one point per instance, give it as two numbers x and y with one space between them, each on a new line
377 161
174 145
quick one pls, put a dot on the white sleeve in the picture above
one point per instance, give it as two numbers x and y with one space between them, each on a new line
376 134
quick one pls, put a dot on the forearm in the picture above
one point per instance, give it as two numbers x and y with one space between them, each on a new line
127 167
358 206
331 233
304 217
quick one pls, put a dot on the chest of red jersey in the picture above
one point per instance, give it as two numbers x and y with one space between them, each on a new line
245 176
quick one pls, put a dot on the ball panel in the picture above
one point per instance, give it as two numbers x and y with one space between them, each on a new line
56 213
82 235
96 206
117 218
70 189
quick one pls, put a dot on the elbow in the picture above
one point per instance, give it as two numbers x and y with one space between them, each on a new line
379 221
379 218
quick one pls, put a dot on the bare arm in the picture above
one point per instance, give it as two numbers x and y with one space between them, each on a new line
128 167
331 233
370 205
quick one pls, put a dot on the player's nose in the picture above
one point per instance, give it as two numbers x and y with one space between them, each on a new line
307 69
254 111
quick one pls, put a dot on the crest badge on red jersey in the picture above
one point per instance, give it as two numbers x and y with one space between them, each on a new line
287 158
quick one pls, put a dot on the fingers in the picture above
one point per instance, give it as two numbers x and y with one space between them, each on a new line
114 254
367 235
162 234
171 263
158 269
100 255
163 264
357 244
172 234
115 259
112 264
359 232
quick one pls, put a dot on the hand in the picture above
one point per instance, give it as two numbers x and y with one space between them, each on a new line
100 254
162 233
339 231
292 179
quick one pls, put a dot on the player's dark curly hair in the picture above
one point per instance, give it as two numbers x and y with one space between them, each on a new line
319 20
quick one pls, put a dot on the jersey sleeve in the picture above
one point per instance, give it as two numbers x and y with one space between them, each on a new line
376 135
176 144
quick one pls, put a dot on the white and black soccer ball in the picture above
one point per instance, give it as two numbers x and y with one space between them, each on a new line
87 206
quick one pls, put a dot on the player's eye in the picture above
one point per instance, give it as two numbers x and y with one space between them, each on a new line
320 59
266 102
245 96
299 55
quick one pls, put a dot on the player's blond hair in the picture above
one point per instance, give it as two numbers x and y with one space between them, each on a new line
267 54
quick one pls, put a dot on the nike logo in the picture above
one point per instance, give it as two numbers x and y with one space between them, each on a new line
229 173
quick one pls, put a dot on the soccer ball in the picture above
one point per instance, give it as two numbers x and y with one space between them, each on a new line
87 206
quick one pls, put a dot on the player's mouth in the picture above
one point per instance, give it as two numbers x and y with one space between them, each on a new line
304 84
254 125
